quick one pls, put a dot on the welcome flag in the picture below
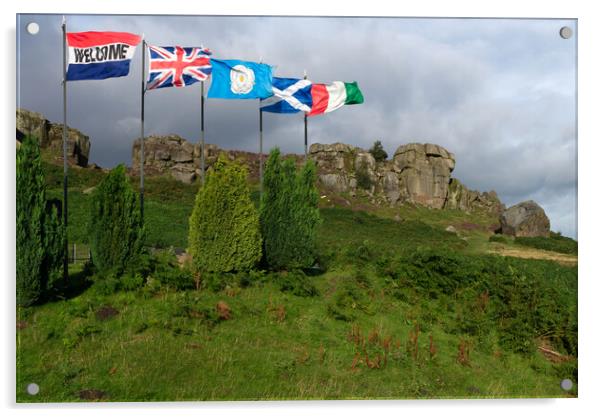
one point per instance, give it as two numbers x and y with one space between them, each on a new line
100 55
291 95
235 79
329 97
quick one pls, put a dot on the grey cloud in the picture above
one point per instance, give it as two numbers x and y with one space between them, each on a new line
498 93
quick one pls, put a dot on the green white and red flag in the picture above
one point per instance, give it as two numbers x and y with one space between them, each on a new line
329 97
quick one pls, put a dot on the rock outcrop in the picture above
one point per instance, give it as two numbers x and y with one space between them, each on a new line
526 219
182 160
425 171
419 174
50 136
461 198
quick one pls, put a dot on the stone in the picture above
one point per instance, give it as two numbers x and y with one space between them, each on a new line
526 219
334 182
461 198
364 159
390 186
425 171
34 124
451 229
332 157
50 136
184 173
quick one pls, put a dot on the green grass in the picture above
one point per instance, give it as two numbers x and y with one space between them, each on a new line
555 243
378 275
159 347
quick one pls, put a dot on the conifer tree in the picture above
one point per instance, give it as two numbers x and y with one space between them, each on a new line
378 152
288 213
40 233
224 233
115 226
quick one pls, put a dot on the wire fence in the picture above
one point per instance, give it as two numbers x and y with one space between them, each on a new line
79 253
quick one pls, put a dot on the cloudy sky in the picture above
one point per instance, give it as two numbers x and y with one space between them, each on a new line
498 93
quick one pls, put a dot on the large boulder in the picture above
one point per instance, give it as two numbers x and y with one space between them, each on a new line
526 219
425 172
50 136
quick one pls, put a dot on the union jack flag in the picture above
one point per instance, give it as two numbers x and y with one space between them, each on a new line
175 66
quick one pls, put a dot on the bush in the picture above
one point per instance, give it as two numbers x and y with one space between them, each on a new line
40 234
378 152
224 233
115 226
498 239
363 177
289 213
556 243
523 299
347 301
297 283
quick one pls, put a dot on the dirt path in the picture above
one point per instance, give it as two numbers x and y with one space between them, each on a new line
531 253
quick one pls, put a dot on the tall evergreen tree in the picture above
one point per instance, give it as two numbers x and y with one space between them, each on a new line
288 213
40 233
224 234
378 152
115 226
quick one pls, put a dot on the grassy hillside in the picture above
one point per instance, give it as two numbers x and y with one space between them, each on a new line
396 307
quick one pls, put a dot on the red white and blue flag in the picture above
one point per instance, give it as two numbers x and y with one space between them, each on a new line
176 66
100 55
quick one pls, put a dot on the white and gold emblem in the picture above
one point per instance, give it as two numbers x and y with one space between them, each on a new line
242 79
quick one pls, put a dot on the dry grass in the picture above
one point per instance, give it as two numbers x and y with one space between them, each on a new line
529 253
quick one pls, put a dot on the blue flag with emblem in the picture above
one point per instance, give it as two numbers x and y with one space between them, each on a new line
234 79
291 95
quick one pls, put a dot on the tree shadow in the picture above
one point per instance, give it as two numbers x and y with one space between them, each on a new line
77 283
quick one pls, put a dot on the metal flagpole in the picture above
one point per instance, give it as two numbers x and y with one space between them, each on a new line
142 94
66 255
202 132
260 146
305 119
260 151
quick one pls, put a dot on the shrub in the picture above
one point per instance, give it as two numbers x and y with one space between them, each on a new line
297 283
363 177
224 233
289 213
378 152
115 226
522 299
556 242
347 301
498 239
40 235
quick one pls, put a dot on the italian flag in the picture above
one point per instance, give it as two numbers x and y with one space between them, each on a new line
329 97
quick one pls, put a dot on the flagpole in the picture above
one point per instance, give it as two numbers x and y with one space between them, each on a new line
142 96
65 218
260 151
305 119
260 146
202 132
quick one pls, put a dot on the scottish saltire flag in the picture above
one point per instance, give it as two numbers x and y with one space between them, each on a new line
240 79
176 66
100 55
291 95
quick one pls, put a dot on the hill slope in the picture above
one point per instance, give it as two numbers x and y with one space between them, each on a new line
397 307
